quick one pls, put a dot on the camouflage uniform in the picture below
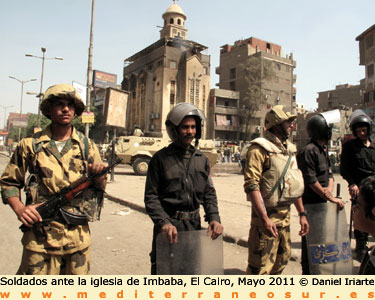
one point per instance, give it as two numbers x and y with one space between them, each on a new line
267 254
62 248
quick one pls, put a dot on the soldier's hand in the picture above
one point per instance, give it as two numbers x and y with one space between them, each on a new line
28 215
353 191
96 168
339 202
171 232
305 227
271 228
215 229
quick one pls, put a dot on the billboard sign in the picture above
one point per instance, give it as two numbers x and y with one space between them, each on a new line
104 80
115 107
19 123
88 117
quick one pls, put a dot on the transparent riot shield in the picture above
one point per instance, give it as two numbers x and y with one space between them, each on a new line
195 253
328 244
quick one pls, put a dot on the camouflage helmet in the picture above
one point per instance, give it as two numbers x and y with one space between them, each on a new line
276 116
178 113
64 91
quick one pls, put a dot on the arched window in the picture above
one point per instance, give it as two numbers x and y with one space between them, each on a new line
125 84
133 86
171 21
179 21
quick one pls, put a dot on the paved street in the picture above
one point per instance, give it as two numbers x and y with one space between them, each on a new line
122 239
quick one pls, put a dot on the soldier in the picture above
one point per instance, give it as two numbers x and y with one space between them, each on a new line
317 173
137 131
357 163
272 183
364 220
55 157
178 181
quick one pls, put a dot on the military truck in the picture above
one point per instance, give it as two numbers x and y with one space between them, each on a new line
137 151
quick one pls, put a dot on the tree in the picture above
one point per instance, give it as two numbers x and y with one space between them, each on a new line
255 72
32 121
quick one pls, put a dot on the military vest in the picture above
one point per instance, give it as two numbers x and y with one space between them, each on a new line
275 191
89 203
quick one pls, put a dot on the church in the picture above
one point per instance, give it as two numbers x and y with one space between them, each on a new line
167 72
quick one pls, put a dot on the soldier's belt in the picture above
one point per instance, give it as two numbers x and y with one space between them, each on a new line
186 215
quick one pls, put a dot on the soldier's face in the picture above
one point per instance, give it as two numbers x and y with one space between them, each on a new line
362 133
286 128
62 112
187 131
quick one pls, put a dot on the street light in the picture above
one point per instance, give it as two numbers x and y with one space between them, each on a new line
43 58
5 112
22 83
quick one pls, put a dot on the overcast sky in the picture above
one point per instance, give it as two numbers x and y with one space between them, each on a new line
320 34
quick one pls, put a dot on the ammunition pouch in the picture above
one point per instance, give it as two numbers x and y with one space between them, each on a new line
72 218
32 189
89 203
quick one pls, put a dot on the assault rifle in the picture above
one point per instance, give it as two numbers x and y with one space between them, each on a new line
55 203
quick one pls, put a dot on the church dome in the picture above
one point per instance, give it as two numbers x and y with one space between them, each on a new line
174 9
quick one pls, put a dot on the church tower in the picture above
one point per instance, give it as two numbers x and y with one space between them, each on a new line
174 21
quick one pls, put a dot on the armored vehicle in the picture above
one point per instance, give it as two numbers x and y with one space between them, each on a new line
137 151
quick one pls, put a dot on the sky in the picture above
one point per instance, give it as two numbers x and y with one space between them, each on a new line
320 34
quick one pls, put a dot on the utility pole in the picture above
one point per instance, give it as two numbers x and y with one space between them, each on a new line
89 67
40 95
20 117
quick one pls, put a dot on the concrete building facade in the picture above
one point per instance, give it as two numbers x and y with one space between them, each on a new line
223 115
344 95
170 71
278 90
367 58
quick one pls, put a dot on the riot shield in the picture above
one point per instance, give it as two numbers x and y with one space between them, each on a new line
195 253
328 244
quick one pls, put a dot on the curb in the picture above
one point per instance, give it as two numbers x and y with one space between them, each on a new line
226 237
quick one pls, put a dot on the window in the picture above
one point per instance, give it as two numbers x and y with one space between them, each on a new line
197 83
369 42
171 21
232 85
173 64
191 91
174 31
370 70
172 93
229 120
204 70
232 73
204 97
179 21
